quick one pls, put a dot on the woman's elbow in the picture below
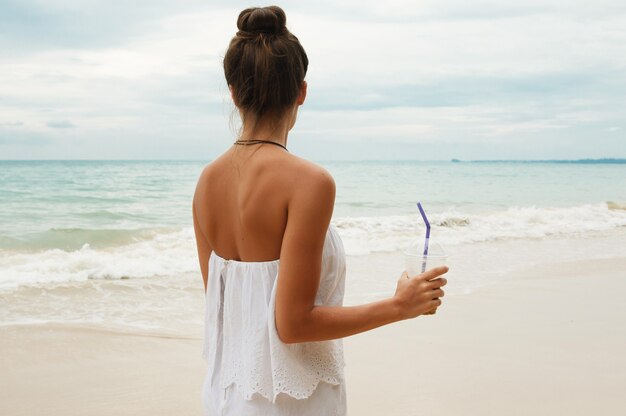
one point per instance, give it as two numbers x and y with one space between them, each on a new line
289 332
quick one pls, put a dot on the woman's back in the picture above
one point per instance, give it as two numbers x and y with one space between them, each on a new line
242 199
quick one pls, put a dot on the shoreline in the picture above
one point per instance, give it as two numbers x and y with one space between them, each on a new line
548 339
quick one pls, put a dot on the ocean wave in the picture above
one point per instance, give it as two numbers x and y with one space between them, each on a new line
164 254
363 235
75 238
144 254
616 205
454 222
106 215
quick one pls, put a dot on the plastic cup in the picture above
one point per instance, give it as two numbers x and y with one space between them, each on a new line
416 262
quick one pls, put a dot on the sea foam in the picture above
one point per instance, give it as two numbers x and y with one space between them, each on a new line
166 254
363 235
173 253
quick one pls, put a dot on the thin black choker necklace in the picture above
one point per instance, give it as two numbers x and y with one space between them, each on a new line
257 141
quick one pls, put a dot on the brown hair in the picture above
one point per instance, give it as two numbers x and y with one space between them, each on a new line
265 63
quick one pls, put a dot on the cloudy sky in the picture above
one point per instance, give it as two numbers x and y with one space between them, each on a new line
425 80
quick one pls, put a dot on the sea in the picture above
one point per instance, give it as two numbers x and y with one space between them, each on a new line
110 244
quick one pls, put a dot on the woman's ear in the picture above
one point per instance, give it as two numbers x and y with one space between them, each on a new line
302 94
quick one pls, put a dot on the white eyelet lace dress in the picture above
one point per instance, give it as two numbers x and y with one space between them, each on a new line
250 371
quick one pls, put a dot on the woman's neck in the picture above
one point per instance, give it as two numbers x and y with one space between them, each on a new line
273 130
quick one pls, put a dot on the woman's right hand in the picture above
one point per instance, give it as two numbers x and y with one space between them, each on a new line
420 294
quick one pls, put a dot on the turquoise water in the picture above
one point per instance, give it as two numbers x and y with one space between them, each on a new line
391 188
111 243
66 204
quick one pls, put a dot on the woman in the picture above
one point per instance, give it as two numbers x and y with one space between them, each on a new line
273 334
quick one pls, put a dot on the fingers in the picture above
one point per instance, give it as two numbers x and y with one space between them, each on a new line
433 273
433 304
437 283
422 293
437 293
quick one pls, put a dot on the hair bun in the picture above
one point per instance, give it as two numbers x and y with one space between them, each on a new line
270 20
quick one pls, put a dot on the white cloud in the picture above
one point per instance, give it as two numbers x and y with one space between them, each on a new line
407 72
60 124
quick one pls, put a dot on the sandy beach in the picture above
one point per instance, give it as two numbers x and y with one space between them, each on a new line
548 340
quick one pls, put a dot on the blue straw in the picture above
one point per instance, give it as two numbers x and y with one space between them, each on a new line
419 206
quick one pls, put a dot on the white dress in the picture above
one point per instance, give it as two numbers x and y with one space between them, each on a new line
250 371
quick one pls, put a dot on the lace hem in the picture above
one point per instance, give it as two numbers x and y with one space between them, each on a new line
295 370
299 393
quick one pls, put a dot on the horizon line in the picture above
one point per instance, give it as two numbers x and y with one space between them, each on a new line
451 160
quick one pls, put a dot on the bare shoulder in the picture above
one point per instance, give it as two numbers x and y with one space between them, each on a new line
208 171
312 186
202 177
311 176
210 167
202 184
